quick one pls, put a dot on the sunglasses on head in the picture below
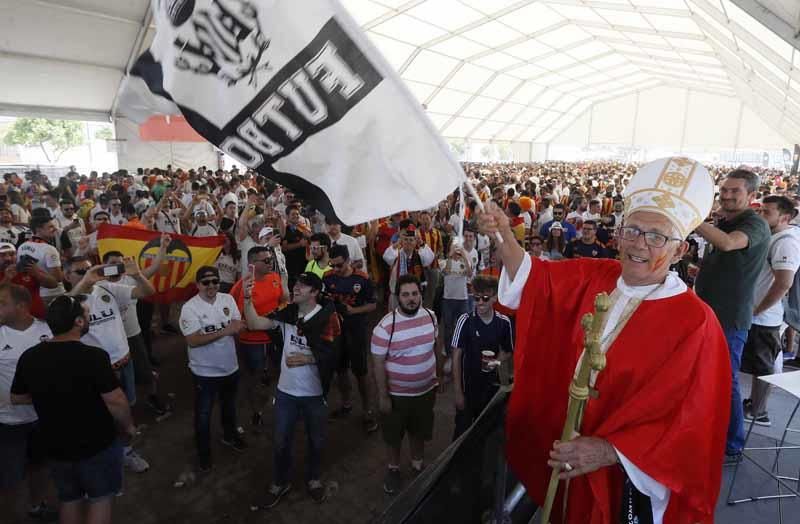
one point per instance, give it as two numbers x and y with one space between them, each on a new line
210 282
482 298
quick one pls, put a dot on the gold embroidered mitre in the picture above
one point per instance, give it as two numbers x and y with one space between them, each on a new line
678 188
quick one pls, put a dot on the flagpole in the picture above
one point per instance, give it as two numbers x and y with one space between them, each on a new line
477 198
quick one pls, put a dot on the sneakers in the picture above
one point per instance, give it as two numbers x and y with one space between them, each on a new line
342 412
159 408
732 459
43 513
275 494
317 491
760 420
134 462
370 422
237 443
392 481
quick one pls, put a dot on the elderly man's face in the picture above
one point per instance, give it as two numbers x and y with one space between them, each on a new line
643 264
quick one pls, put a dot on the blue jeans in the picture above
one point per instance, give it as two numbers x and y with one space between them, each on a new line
127 381
96 478
288 409
205 390
736 339
451 310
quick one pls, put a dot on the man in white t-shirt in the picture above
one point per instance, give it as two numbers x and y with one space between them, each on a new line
143 371
776 277
339 238
9 232
310 355
44 255
210 320
201 227
20 455
458 270
105 300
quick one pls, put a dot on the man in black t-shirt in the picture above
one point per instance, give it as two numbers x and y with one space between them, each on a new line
354 295
294 243
587 246
78 399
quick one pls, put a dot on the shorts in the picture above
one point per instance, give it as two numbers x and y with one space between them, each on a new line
409 414
142 369
96 478
761 349
20 446
127 381
355 343
253 356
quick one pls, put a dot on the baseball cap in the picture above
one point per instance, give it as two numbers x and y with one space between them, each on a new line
7 246
201 211
311 280
206 271
556 225
265 232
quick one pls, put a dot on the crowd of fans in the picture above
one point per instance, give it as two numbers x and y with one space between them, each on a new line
293 296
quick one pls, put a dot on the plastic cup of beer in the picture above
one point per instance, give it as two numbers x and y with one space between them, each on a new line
487 361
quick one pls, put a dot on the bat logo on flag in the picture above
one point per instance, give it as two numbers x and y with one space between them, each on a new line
225 40
178 261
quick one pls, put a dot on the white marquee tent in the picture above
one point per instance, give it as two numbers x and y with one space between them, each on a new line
679 75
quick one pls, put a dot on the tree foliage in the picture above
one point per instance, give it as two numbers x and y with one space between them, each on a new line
104 133
53 137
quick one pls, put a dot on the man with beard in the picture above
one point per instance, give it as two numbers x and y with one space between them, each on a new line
81 410
407 368
731 264
319 264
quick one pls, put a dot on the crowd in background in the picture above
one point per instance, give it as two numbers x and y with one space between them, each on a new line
287 310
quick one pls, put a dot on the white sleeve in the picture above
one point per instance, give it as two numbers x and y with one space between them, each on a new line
648 486
786 255
510 293
426 255
390 255
189 321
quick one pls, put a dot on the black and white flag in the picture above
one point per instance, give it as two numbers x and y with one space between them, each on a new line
295 91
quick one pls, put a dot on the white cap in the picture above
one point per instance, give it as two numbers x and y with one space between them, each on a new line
7 246
265 232
679 188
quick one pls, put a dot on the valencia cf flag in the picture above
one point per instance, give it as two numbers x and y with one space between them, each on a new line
174 280
298 93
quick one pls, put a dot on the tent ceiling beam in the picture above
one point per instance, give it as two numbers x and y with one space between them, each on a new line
771 21
51 60
53 4
58 113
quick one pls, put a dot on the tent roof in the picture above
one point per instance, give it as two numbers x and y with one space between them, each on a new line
510 70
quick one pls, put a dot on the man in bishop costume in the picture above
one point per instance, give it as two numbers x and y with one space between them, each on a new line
651 443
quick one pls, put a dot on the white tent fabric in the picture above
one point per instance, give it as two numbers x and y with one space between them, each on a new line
486 70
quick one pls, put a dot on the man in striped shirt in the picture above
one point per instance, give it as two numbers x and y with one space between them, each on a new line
407 368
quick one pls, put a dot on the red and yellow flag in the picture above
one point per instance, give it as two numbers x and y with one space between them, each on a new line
174 280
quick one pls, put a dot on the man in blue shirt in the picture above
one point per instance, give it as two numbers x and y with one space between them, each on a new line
480 330
559 215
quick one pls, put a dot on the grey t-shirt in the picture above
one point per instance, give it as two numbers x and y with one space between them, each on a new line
727 279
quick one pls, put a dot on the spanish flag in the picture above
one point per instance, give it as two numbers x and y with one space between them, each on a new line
185 255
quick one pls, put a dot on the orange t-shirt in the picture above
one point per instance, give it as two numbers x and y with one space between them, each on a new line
267 294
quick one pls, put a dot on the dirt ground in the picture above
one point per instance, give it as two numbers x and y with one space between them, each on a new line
353 463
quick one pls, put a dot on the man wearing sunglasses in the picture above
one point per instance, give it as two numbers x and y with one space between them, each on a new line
269 291
477 331
559 215
354 295
660 400
210 320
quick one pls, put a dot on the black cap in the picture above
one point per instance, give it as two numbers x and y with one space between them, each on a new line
310 279
206 271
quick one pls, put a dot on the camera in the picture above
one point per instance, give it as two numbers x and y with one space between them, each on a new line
113 270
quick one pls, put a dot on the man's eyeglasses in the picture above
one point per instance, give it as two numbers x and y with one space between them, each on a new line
482 298
210 282
651 238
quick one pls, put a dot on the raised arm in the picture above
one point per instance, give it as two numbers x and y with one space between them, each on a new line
511 253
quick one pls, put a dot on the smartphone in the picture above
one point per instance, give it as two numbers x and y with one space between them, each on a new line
252 270
24 261
113 270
